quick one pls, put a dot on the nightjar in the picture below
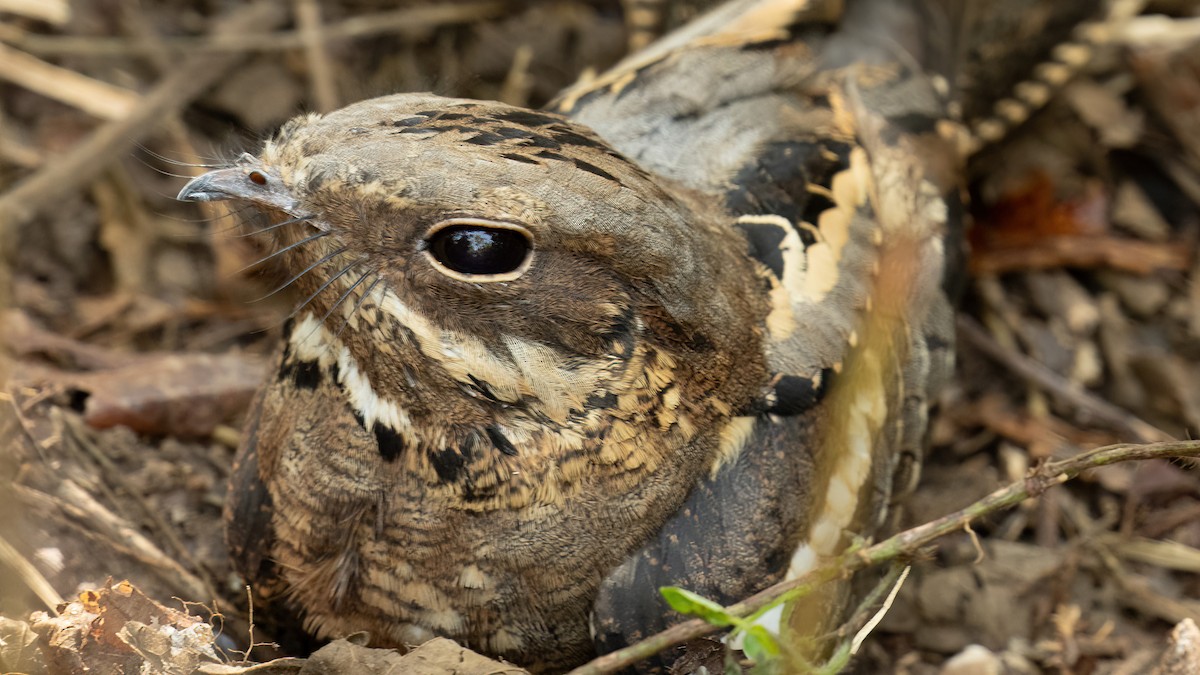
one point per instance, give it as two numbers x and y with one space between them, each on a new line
681 328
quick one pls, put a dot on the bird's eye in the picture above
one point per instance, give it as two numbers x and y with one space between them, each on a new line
480 249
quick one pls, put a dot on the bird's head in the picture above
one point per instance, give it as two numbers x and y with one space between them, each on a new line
476 261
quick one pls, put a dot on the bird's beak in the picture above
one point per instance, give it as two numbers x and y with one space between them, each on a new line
249 183
214 186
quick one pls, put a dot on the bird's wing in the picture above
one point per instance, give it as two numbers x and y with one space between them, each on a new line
828 130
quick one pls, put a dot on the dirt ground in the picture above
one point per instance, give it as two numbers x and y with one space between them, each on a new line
134 338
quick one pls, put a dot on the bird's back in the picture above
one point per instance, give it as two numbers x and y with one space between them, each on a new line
834 134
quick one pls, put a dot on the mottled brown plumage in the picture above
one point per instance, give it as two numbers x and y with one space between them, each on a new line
684 333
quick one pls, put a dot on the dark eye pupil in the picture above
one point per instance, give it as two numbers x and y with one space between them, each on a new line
471 249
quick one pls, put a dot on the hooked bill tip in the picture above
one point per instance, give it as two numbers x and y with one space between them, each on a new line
200 189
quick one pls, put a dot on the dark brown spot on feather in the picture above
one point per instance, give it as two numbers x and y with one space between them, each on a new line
514 132
500 441
408 121
485 138
604 402
593 169
619 333
303 374
527 118
390 442
912 123
448 463
483 389
794 394
766 244
537 141
520 158
817 204
568 137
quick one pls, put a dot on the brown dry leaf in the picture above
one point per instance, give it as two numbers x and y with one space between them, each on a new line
1182 656
119 629
1103 109
1134 212
1033 228
179 394
436 657
1130 255
1034 211
1170 77
167 648
124 231
19 651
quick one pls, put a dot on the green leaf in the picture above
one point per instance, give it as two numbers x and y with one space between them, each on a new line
687 602
761 646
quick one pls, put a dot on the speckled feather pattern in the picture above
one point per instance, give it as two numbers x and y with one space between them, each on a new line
712 370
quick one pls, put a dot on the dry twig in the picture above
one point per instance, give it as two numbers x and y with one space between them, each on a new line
316 54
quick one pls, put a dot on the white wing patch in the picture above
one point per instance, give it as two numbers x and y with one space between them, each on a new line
821 291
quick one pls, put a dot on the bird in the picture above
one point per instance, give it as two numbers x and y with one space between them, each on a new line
682 327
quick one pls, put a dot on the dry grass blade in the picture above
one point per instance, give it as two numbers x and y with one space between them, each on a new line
104 100
29 574
1167 554
57 12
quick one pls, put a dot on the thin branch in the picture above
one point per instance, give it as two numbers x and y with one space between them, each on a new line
906 543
